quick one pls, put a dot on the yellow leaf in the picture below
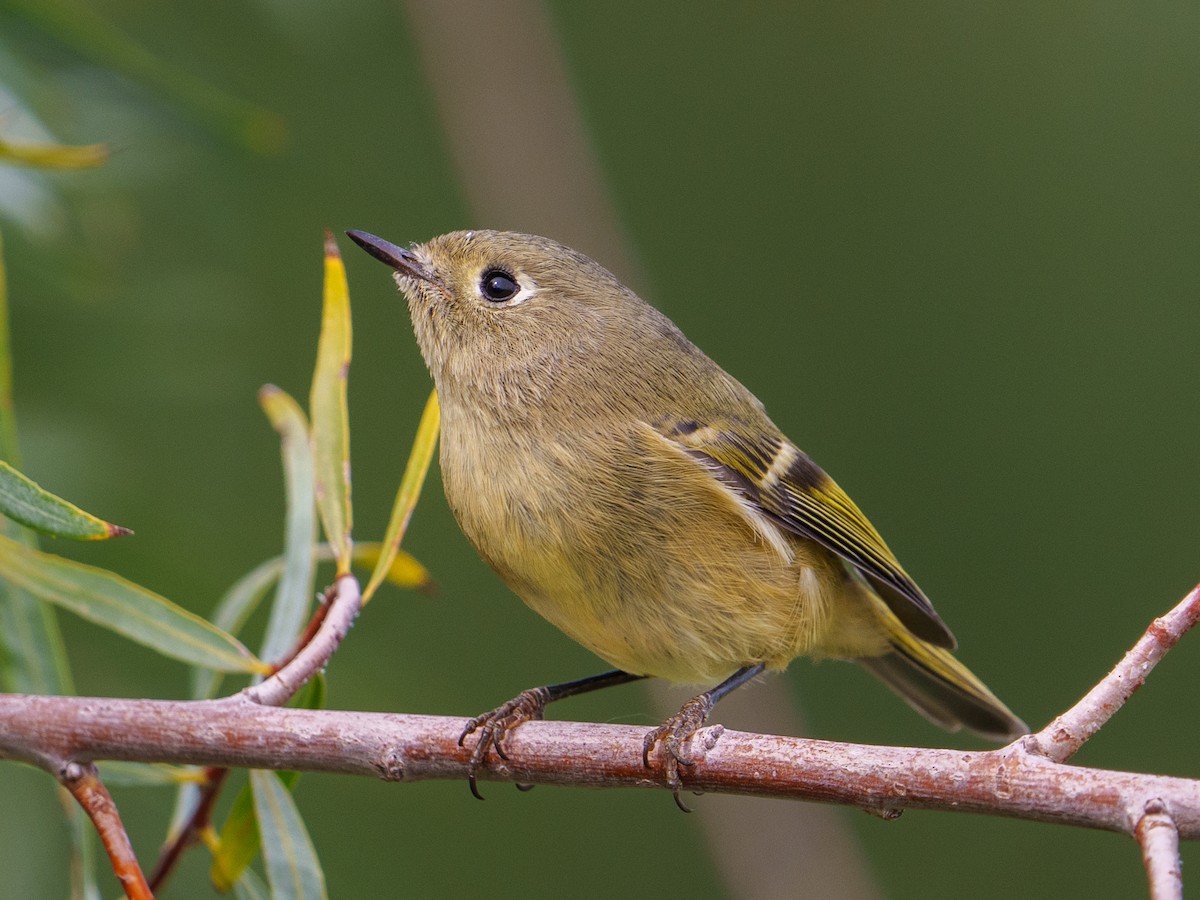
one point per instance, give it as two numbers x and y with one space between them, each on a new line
406 571
54 156
409 492
328 408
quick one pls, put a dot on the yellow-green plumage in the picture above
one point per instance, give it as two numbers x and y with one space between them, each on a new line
640 499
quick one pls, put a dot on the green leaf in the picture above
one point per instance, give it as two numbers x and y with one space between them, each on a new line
295 592
293 870
241 600
329 411
239 840
24 501
410 491
35 660
124 607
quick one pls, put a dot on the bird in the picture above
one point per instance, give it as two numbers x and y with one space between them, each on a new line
640 498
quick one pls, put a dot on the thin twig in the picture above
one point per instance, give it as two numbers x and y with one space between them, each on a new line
1062 738
83 781
189 834
1159 839
344 600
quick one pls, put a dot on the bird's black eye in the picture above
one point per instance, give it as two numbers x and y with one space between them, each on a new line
498 286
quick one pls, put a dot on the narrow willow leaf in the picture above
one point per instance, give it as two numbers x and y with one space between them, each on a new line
239 841
405 571
124 607
24 501
53 156
293 870
34 658
295 591
410 490
327 406
241 601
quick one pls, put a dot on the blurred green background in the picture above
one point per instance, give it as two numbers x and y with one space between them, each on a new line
953 247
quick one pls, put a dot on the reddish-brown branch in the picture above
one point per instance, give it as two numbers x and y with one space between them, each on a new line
189 833
83 781
1062 738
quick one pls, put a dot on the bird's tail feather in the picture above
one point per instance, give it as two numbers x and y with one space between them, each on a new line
938 686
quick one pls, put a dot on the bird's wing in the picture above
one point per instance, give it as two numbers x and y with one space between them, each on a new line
796 493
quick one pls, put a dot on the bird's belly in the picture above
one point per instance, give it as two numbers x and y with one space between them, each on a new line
691 631
652 603
649 573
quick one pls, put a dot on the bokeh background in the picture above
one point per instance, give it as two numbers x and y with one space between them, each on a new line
953 247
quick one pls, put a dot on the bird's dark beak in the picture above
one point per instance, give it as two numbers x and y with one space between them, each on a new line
403 261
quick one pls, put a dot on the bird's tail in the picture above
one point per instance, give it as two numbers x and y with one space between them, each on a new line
938 686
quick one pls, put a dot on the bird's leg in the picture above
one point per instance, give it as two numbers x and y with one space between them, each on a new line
494 726
676 731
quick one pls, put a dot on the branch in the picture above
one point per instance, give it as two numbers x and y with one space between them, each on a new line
1062 738
1159 838
343 602
1021 781
83 781
189 833
238 733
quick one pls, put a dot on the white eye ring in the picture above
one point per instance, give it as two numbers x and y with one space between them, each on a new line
497 287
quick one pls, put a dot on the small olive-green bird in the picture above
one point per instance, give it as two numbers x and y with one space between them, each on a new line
639 498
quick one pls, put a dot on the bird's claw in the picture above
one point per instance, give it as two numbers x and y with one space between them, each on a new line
493 728
675 733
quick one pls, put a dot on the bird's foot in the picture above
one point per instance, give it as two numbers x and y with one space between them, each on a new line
675 734
493 728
